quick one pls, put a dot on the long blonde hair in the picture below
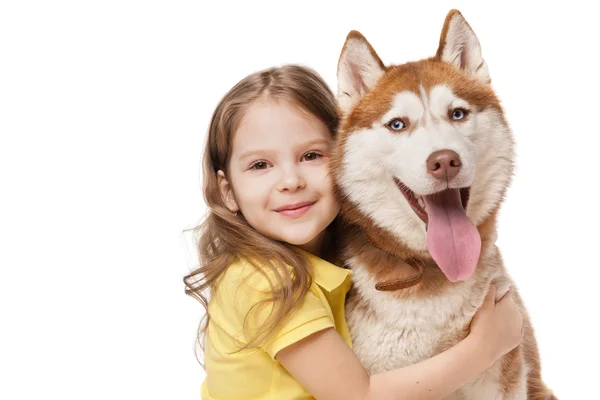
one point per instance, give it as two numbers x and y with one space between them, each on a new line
224 236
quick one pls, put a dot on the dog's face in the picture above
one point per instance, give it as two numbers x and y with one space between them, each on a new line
424 151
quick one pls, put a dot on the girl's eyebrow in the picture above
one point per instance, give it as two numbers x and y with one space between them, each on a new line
254 152
316 141
308 143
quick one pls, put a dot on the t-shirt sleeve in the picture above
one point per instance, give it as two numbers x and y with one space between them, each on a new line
240 300
311 316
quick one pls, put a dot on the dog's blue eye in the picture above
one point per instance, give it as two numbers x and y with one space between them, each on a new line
458 114
396 124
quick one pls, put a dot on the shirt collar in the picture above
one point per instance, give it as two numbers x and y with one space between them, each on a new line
327 275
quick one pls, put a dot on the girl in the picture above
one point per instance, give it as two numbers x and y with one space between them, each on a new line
275 325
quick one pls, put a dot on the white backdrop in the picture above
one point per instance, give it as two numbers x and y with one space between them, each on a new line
103 111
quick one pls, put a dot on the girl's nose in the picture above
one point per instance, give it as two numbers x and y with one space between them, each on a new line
291 180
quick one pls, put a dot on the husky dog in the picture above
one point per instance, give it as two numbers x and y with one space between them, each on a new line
422 162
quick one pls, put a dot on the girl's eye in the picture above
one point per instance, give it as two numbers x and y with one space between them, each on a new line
458 114
310 156
396 124
259 165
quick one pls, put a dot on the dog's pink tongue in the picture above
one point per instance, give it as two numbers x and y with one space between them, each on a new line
452 240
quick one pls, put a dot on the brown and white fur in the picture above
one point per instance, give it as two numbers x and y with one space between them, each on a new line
391 329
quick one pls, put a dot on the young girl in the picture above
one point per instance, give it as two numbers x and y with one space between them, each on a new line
275 321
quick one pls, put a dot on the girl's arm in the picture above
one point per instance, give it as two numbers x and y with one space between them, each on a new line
325 365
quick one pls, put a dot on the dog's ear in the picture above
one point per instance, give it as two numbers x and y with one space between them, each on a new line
460 47
359 68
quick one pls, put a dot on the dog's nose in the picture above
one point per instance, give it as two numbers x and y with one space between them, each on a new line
444 164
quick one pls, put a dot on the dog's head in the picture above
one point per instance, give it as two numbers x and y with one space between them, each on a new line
424 152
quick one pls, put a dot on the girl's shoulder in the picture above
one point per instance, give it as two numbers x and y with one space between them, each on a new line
248 275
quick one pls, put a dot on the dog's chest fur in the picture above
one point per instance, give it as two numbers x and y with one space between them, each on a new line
390 330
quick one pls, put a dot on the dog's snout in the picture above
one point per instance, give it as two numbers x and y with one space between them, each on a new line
444 164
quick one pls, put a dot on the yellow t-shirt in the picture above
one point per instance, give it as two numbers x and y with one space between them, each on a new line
254 373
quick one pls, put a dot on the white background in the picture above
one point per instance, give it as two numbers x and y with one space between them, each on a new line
103 110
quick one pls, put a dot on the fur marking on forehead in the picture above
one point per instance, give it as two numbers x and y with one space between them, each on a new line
424 80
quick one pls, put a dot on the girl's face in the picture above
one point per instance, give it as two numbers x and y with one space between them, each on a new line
279 174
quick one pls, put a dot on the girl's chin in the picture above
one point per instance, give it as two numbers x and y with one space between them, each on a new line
309 242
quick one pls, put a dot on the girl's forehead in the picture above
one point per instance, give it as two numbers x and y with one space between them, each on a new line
277 124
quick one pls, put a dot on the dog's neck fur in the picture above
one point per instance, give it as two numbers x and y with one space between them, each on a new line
391 259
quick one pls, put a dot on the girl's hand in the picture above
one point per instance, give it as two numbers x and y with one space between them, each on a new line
498 327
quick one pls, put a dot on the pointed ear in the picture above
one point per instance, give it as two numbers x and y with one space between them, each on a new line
227 192
359 68
460 47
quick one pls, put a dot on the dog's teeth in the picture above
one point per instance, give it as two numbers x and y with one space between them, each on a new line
421 202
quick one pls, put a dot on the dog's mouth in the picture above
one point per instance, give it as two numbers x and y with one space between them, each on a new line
418 203
452 239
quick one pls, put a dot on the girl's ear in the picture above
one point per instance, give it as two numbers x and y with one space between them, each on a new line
227 192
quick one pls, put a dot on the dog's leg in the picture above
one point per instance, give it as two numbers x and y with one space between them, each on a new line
536 389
